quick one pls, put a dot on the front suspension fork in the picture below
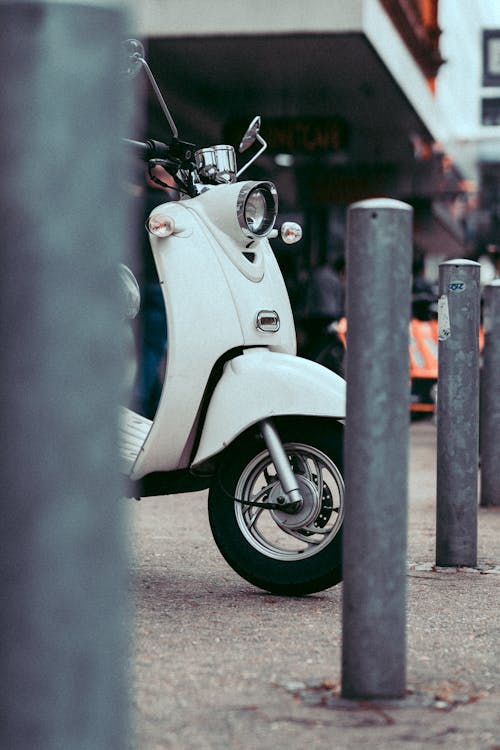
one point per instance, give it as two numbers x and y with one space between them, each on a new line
281 463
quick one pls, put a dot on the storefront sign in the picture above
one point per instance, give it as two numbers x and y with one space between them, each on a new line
306 136
297 135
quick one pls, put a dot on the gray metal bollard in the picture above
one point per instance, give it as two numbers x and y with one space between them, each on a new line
489 422
458 413
63 619
379 256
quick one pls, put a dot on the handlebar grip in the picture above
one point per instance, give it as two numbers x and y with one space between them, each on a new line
150 149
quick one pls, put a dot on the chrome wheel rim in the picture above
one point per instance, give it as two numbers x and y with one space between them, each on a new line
285 536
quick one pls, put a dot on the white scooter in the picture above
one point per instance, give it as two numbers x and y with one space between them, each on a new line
240 413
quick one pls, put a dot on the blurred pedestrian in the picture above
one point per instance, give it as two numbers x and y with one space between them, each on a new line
325 302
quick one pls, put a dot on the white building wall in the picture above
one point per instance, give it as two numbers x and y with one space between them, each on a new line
198 17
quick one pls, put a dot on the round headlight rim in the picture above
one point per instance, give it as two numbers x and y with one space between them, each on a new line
270 194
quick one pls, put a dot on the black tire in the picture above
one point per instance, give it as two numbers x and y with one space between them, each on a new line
276 551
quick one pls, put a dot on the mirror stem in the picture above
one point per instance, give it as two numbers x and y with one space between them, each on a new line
160 98
263 143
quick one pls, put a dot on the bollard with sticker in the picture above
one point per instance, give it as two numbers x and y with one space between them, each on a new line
457 413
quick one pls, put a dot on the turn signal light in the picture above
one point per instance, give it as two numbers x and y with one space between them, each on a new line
161 225
291 232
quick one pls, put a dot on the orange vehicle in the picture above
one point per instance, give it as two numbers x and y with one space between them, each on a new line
423 351
423 364
423 359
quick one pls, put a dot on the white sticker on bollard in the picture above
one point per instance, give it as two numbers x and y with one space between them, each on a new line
444 328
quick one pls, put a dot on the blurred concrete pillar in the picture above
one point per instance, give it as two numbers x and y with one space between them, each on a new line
63 619
379 255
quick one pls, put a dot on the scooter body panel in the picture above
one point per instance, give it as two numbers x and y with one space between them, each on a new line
261 384
212 295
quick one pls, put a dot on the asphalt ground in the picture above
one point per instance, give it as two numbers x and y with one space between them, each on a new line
217 663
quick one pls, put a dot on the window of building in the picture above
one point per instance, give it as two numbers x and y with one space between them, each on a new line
490 114
491 57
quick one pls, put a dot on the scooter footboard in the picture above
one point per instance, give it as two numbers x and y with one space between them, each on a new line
133 431
261 384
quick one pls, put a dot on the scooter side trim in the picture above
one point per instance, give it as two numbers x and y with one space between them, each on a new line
261 384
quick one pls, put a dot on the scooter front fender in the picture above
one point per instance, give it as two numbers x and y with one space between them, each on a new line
260 384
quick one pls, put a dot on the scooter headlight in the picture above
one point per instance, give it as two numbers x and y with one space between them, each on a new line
257 208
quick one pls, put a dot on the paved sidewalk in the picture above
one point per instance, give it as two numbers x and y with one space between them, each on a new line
218 664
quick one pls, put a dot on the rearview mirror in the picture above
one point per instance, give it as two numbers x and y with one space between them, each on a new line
133 61
251 134
133 57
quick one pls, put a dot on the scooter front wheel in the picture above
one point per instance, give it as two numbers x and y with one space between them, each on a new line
282 552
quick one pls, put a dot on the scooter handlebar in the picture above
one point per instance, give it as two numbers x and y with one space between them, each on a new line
150 149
